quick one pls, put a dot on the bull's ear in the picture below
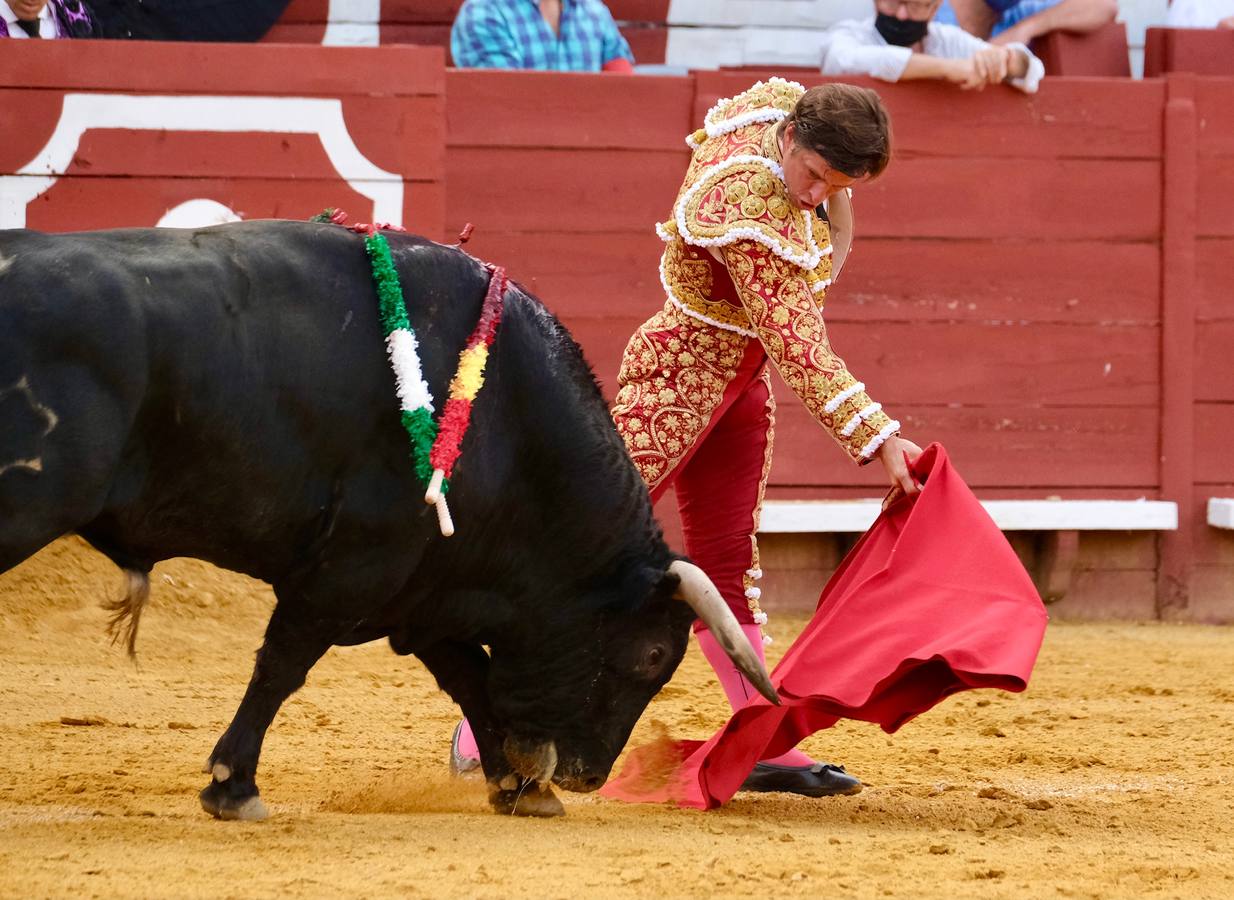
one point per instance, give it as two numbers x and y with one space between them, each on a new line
652 586
667 584
663 587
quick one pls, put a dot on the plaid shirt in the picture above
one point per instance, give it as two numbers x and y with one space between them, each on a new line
512 34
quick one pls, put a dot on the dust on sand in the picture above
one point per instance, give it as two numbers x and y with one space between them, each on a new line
1111 777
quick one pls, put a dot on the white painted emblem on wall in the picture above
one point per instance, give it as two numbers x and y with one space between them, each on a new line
198 213
260 115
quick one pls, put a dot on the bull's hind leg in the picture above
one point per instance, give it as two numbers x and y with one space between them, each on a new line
292 646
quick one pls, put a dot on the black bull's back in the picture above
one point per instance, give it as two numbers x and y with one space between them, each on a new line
225 394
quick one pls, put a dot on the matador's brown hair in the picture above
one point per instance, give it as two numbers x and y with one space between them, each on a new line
847 126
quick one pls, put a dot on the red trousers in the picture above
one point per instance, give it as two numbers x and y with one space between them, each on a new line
720 481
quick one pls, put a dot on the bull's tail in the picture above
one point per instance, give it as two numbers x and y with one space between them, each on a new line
126 611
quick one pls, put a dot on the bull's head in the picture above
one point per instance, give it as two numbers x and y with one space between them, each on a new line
600 684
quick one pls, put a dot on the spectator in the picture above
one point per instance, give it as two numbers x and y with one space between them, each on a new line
1200 14
901 43
1020 21
45 19
187 20
552 35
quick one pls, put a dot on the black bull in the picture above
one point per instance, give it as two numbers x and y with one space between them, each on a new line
225 394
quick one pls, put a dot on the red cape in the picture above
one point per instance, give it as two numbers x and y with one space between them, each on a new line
932 600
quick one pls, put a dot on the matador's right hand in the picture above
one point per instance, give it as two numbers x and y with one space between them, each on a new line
897 454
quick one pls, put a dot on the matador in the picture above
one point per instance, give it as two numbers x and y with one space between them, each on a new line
746 266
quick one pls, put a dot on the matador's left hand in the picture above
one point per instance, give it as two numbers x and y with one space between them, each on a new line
896 454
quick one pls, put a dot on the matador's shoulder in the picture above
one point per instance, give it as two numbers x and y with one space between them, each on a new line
767 101
734 189
744 198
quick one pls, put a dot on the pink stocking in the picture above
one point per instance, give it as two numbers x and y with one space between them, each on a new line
467 742
737 688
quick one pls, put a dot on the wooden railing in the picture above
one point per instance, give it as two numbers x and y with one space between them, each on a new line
1042 283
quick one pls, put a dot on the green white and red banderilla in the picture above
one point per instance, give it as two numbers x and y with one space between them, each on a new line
435 445
466 384
415 398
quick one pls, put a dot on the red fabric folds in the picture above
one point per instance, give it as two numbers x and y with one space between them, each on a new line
932 600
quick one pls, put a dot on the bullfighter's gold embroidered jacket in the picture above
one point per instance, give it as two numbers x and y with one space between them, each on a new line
741 262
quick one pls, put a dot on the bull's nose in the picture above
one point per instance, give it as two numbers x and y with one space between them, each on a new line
594 783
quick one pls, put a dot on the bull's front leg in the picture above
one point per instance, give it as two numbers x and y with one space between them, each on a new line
283 662
461 671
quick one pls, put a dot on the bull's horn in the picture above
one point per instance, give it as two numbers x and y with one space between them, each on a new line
698 591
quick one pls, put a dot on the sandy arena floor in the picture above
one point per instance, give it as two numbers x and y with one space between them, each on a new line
1113 776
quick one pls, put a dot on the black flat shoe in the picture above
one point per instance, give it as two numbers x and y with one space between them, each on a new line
461 766
818 780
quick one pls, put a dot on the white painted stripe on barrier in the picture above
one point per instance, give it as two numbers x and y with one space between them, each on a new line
808 516
707 34
710 48
353 23
321 116
774 13
1221 512
201 212
351 34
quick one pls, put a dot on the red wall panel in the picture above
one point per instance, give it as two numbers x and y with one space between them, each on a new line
552 109
939 280
1068 118
1028 199
1214 363
1214 436
1215 279
265 131
178 67
648 44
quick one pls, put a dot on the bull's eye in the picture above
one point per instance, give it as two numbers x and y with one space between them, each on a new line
653 658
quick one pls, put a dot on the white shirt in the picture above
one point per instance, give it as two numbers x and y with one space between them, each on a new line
1198 13
47 25
854 47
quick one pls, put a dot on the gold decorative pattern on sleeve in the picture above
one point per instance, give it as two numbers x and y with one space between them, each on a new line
784 312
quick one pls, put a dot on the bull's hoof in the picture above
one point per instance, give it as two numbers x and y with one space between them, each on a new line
220 800
530 801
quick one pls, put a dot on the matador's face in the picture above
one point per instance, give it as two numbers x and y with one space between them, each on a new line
809 178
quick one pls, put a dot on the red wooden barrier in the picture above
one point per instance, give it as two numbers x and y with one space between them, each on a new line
1201 51
1212 574
563 177
94 139
1102 52
1178 340
1023 287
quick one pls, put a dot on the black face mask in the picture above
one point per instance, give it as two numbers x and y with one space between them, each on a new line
900 32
